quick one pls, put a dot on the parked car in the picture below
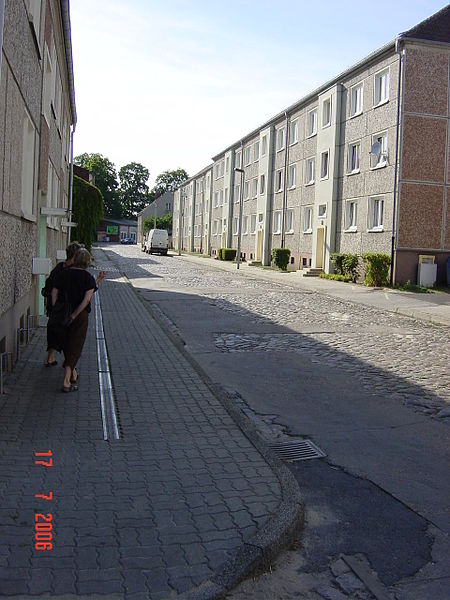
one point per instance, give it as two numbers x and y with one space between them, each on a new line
157 241
128 240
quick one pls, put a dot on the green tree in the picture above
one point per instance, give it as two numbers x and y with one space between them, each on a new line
134 191
168 181
164 222
105 174
87 210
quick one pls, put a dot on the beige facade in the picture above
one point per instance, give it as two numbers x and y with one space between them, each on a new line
359 165
37 113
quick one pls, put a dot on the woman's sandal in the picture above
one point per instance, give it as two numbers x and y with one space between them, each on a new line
71 388
74 380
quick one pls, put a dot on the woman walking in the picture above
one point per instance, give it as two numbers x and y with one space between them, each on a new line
78 286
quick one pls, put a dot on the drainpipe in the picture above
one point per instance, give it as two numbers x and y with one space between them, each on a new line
285 181
397 146
70 184
2 21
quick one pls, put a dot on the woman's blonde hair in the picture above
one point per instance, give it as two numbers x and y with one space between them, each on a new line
82 259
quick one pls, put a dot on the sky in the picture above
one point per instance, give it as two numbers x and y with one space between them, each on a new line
171 84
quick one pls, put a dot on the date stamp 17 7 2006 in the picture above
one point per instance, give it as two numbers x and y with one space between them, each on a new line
43 522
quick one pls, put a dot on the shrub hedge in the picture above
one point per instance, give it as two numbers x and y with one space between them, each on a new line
377 268
280 257
226 253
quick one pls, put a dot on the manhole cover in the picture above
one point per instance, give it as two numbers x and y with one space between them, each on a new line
297 450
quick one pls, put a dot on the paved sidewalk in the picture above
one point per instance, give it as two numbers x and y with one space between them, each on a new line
182 506
434 308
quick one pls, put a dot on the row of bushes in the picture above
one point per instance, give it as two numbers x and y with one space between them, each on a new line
376 267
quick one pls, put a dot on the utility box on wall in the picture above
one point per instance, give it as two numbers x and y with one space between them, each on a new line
426 274
41 266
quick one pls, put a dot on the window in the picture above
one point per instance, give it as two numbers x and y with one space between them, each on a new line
238 159
350 215
237 193
290 221
224 225
252 223
324 160
28 149
254 187
262 184
311 123
292 176
280 139
277 221
235 225
279 180
293 132
217 167
307 219
226 196
326 112
379 150
222 168
248 155
214 228
376 206
246 190
216 199
354 152
47 86
227 165
245 225
381 87
221 198
264 145
322 211
256 151
260 219
356 100
310 171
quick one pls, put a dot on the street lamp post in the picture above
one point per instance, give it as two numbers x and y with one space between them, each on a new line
241 198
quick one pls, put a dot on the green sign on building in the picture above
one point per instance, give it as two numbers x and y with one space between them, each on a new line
112 229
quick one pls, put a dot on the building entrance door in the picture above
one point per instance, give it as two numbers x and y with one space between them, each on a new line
259 243
319 247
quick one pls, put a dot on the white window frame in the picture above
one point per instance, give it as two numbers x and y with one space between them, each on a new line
235 225
351 216
375 213
381 137
290 220
264 145
322 211
293 132
214 231
323 174
307 219
326 118
279 181
216 199
292 176
256 151
281 139
254 187
354 158
246 190
311 123
227 164
28 167
220 197
381 91
237 193
225 199
262 184
245 225
253 223
356 100
277 222
248 155
310 170
238 158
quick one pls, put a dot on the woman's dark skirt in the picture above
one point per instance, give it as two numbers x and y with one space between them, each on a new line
74 340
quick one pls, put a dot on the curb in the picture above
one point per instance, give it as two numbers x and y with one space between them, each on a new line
279 533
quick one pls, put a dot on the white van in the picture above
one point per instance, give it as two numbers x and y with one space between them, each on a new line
157 241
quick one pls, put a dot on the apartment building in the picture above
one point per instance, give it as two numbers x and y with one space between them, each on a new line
359 165
37 117
191 226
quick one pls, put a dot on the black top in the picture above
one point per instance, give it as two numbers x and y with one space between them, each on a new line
50 281
75 282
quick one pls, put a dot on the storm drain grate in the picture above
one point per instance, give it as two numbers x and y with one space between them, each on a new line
297 450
